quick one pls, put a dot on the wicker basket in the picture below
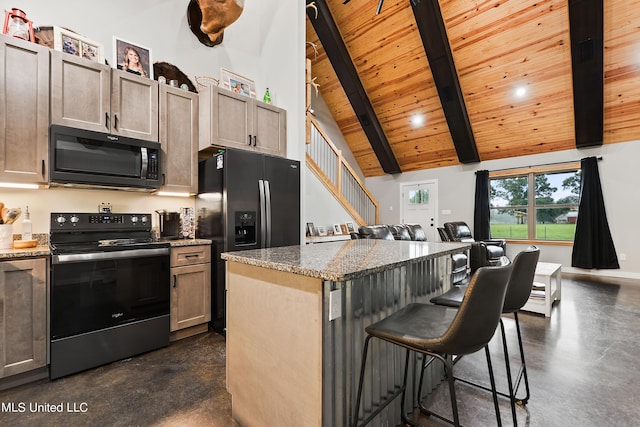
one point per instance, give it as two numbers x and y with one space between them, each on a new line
206 81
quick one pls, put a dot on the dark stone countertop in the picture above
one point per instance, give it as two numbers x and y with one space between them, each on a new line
338 261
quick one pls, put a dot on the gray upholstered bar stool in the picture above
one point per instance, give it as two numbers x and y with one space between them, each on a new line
518 290
441 333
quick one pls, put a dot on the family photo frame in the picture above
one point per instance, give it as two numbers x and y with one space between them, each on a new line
237 83
132 57
77 45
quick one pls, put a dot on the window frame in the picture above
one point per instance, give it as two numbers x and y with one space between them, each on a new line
531 207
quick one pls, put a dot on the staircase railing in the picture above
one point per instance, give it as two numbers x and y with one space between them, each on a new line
327 163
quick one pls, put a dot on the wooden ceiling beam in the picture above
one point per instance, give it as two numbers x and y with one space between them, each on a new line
338 55
436 45
586 25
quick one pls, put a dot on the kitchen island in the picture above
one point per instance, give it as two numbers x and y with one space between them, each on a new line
295 326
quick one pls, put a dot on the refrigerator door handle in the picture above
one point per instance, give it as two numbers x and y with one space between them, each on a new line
267 194
263 214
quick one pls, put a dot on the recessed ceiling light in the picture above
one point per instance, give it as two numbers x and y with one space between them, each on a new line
417 120
521 91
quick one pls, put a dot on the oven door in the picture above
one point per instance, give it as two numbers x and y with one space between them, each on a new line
95 291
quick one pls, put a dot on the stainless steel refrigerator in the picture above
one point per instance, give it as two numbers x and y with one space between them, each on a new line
245 200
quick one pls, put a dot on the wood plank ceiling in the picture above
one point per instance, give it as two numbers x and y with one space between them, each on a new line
497 47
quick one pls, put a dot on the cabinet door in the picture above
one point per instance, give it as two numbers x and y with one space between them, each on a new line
231 120
134 106
24 116
80 92
23 316
190 296
179 139
270 129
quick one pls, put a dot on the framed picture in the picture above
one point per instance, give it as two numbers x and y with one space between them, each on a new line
311 229
350 227
132 57
322 230
343 228
76 45
237 84
337 229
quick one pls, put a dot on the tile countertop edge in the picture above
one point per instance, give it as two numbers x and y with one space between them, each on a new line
188 242
43 251
243 257
38 251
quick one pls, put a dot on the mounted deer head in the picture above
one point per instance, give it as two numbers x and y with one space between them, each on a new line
218 15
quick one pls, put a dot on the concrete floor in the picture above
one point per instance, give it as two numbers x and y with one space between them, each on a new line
582 366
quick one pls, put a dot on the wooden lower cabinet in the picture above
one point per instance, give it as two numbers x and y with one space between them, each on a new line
23 316
190 290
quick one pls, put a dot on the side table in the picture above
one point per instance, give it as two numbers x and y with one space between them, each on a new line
547 286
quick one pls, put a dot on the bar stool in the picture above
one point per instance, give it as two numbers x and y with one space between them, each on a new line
441 333
518 290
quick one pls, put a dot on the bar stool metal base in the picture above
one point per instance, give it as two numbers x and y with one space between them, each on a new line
448 367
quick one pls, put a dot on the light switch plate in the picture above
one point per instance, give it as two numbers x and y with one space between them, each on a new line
335 304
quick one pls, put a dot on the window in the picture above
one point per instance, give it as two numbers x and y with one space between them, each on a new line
419 197
536 204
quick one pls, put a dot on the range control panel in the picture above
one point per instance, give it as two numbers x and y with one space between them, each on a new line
99 221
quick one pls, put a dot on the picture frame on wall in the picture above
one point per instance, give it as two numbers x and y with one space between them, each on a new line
132 57
337 229
237 84
343 228
350 227
322 230
74 44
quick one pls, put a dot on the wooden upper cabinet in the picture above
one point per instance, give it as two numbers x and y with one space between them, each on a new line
23 314
80 92
179 139
24 116
270 129
232 120
134 106
93 96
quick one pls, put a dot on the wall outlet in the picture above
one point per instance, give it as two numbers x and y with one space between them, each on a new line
622 257
335 304
446 212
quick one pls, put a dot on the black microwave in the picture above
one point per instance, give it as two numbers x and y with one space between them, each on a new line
98 159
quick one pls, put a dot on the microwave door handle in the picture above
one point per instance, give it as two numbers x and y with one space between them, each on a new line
145 162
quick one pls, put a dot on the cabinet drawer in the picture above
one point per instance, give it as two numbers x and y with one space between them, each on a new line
188 255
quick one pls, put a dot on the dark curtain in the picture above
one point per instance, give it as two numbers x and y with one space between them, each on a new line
481 226
592 245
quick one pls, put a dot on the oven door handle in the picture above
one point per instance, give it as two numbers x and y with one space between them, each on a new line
106 256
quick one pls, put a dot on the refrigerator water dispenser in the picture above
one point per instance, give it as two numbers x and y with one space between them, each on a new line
245 226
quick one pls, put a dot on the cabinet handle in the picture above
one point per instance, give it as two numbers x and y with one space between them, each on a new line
43 168
192 256
115 121
164 179
255 140
249 139
175 280
106 120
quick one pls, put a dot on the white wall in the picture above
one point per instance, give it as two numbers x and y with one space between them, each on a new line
265 44
456 185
